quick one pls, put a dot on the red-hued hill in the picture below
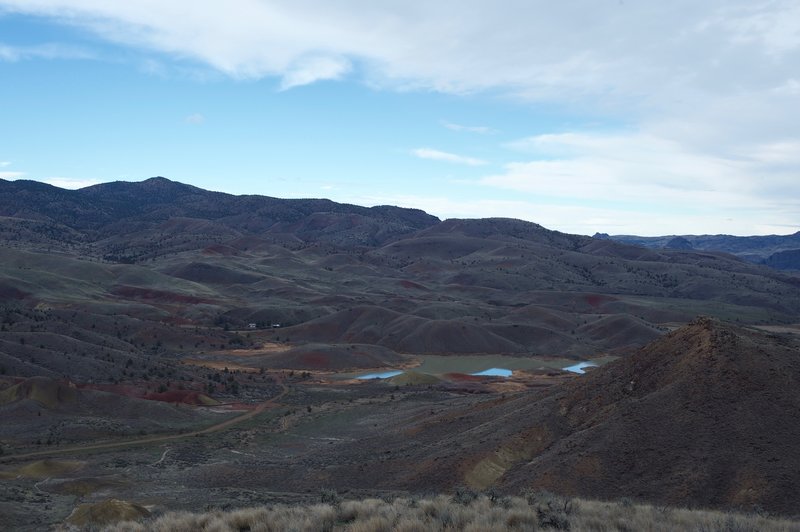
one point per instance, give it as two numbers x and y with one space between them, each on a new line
706 415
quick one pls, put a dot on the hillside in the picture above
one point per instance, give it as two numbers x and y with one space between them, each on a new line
127 221
157 271
704 414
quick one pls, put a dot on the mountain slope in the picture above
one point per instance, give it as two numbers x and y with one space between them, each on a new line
109 209
704 415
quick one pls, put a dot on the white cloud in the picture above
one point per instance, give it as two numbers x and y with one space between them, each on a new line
11 175
484 130
757 185
3 164
436 155
195 119
586 220
535 47
70 183
640 58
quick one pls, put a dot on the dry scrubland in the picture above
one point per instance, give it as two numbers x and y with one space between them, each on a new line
463 511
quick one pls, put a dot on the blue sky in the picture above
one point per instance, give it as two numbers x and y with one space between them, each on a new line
612 116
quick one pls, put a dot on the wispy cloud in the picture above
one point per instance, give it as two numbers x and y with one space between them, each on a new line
195 119
483 130
44 51
311 69
70 183
436 155
3 164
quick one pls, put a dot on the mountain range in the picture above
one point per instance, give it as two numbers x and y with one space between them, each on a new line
164 255
777 251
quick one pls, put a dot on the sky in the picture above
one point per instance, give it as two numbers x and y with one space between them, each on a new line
616 116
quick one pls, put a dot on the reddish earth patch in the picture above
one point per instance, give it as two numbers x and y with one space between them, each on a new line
411 284
463 377
188 397
11 292
316 360
595 300
220 249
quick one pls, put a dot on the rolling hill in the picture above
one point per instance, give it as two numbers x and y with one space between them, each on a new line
156 270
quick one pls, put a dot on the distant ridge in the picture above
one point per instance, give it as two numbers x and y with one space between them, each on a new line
119 206
778 251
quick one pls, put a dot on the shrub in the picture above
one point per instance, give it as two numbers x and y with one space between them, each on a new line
464 496
330 496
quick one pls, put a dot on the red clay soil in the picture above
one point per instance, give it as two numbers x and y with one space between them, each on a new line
10 292
596 300
188 397
220 249
463 377
411 284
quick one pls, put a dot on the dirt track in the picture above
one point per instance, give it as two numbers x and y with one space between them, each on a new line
270 403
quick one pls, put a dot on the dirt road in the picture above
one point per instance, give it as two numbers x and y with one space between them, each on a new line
271 403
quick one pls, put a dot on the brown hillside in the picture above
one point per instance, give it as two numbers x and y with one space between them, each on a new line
705 416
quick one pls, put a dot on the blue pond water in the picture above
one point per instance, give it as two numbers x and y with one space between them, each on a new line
494 372
383 375
578 368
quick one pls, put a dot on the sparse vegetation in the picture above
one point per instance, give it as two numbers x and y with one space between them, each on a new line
542 511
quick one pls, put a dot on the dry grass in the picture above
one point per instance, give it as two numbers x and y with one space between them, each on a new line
541 511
